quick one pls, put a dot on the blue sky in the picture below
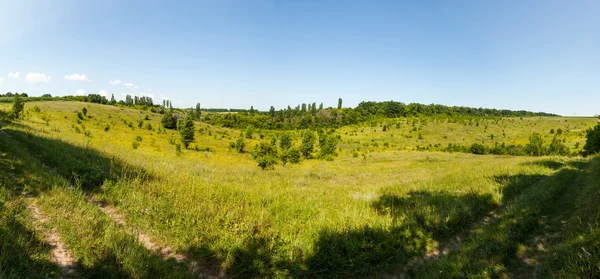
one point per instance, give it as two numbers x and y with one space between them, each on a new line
540 55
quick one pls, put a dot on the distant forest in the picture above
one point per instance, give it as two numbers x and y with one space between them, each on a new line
301 116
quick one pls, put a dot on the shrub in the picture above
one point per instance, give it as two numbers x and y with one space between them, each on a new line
285 141
178 149
84 111
186 130
106 128
535 147
294 155
239 145
557 148
308 144
265 154
592 143
478 149
138 138
135 144
249 132
149 127
140 123
80 115
169 121
328 147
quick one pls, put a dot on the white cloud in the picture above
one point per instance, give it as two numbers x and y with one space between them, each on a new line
80 92
115 82
1 80
77 77
37 78
131 86
103 93
163 97
13 75
151 96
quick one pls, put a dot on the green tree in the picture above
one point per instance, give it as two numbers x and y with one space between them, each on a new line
535 147
308 144
198 112
169 121
17 107
285 141
327 148
239 145
265 154
186 131
249 132
592 143
340 103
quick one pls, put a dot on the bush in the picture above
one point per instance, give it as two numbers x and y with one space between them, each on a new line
285 142
239 145
106 128
294 155
478 149
80 115
308 144
535 147
135 144
249 132
265 154
186 130
592 143
169 121
328 147
84 111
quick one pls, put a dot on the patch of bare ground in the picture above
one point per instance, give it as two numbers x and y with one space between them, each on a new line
163 251
60 254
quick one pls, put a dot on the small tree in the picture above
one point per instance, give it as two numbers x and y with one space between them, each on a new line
169 121
535 146
328 147
198 112
308 144
186 131
249 132
239 145
17 107
478 148
265 154
592 143
340 103
285 141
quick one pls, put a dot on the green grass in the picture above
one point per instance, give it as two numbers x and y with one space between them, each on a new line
352 217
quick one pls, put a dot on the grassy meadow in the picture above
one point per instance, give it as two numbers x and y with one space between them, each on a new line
381 213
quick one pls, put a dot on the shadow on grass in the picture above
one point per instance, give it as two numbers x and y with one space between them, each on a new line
123 257
533 206
85 167
418 218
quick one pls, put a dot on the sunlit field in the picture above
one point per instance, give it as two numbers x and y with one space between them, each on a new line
379 209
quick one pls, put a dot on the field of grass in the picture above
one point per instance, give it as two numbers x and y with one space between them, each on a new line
381 214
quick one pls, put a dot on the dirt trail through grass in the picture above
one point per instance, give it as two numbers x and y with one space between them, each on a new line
60 254
147 241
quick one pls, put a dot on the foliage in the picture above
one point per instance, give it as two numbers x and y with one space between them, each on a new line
285 141
239 145
17 107
265 154
327 149
186 131
592 144
535 147
307 146
169 121
478 148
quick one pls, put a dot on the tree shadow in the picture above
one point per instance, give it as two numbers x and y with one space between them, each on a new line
84 167
532 206
418 218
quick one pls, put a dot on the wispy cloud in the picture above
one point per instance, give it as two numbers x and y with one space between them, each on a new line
14 75
103 93
131 86
77 77
37 78
80 92
115 82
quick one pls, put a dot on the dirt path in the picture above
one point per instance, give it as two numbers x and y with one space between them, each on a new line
164 252
60 255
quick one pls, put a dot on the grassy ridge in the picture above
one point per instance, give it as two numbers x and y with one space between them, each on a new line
352 217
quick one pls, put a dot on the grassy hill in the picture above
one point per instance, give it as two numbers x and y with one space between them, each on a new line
389 212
